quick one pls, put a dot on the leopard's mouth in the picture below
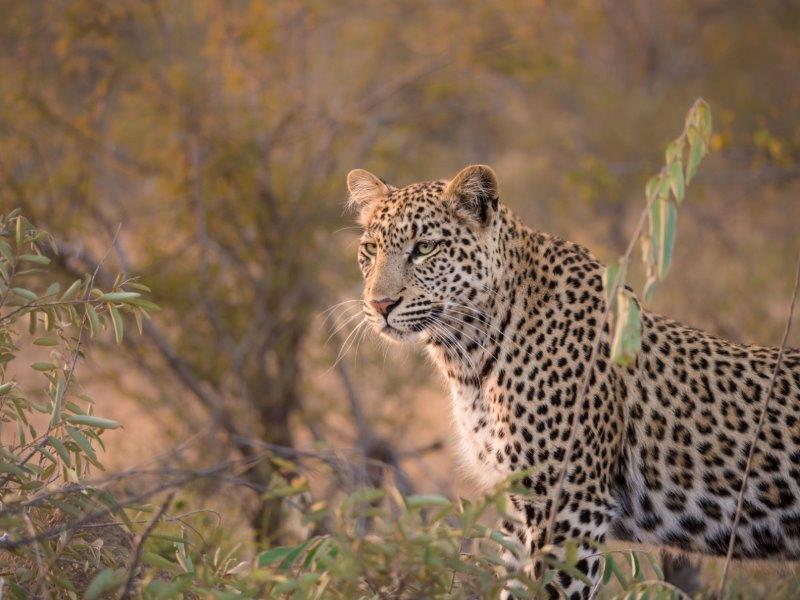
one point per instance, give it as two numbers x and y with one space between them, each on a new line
412 330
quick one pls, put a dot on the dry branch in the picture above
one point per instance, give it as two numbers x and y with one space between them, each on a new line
136 557
759 426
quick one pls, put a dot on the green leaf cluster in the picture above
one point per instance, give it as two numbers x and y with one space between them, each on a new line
664 192
53 438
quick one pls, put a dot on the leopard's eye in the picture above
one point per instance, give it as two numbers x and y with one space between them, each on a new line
424 247
370 248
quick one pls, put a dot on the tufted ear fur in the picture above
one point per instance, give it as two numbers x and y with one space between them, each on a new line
365 190
473 194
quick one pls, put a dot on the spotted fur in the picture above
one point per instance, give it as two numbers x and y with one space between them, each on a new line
509 315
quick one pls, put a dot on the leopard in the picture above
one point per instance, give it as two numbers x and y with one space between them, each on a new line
509 316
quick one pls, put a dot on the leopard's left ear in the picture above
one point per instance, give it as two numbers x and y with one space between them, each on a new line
473 195
366 190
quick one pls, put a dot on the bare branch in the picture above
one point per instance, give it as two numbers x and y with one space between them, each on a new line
136 557
759 426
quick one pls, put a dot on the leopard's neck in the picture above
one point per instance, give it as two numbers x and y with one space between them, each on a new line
471 337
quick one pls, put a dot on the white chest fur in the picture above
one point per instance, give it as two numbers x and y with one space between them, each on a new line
477 448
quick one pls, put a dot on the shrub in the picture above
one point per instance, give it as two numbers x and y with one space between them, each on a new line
55 524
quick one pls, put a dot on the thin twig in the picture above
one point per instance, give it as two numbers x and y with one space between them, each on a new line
136 557
761 419
37 552
34 305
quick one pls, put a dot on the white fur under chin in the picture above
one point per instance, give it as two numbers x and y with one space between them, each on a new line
485 474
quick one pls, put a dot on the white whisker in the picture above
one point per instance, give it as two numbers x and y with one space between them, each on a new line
347 343
455 344
493 326
342 325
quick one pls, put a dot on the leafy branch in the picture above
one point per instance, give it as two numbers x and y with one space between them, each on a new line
64 453
664 192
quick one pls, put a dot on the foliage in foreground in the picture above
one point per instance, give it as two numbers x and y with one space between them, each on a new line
50 514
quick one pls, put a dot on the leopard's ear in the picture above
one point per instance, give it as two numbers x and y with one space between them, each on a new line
365 191
473 194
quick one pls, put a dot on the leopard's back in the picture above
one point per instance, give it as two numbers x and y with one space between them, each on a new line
693 402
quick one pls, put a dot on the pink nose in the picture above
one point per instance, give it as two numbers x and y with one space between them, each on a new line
385 306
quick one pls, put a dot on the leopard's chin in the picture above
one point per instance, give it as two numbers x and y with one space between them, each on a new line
396 335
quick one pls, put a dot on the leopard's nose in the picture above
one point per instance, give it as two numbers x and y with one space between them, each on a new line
384 306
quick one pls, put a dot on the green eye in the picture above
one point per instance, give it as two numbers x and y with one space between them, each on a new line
370 248
423 248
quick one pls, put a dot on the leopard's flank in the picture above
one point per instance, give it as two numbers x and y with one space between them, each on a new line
509 315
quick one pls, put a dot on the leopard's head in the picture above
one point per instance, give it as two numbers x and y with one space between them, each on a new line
428 250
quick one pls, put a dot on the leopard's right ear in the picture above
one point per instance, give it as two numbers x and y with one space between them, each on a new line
365 191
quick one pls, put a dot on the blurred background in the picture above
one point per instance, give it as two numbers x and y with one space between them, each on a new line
204 145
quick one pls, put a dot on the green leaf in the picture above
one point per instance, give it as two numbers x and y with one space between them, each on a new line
650 288
613 568
156 560
636 569
116 319
673 151
696 151
627 331
36 258
6 387
13 469
611 278
82 442
61 449
137 317
504 541
571 552
676 181
292 556
652 187
318 549
43 366
118 296
704 118
145 304
273 555
661 237
6 251
106 581
46 341
57 402
94 320
25 294
662 191
31 271
666 235
69 294
93 421
139 286
608 569
424 500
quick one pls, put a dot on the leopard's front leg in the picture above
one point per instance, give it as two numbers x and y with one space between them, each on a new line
583 517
